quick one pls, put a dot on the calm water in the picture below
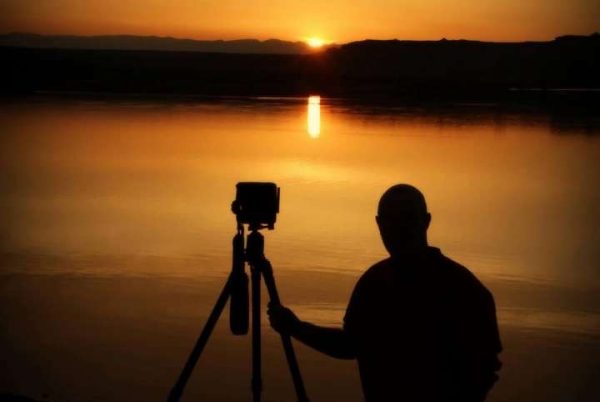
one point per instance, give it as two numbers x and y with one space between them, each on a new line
116 234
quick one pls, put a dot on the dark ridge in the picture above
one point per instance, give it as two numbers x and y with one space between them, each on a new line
16 398
563 70
134 42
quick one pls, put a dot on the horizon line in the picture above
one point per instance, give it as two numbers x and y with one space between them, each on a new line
302 41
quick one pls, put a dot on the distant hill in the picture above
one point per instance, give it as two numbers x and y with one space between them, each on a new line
133 42
408 70
565 62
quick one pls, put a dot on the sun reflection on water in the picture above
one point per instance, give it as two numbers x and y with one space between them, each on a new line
314 116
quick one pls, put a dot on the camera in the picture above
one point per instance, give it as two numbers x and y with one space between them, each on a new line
256 204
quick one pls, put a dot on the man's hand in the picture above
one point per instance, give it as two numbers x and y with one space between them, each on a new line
331 341
283 320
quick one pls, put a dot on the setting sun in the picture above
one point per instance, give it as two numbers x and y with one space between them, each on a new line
315 42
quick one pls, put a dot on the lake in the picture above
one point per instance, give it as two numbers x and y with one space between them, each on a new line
116 236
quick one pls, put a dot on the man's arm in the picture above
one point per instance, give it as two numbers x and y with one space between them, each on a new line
481 346
333 342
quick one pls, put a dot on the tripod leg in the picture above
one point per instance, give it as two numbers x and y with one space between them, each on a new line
267 272
177 389
256 335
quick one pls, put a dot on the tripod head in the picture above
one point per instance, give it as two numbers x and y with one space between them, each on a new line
256 204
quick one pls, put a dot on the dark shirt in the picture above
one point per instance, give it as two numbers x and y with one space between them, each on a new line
424 329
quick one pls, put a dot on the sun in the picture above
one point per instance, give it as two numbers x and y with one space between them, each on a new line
315 43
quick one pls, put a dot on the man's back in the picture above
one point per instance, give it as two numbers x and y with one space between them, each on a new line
424 329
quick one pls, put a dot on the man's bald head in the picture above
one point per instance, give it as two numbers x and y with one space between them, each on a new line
403 219
402 200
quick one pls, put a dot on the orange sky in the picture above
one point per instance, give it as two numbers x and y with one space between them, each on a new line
333 20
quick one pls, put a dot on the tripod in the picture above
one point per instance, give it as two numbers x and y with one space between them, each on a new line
236 289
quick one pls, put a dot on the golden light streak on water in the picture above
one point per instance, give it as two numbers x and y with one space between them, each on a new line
314 116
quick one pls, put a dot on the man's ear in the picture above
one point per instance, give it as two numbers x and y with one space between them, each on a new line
427 220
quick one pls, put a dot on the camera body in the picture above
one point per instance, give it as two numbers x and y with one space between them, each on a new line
256 204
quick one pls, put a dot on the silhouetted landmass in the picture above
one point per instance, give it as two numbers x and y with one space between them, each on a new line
135 42
16 398
564 68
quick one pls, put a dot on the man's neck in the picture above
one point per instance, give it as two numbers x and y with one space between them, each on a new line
411 252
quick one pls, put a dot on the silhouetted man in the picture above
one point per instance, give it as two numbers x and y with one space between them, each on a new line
421 326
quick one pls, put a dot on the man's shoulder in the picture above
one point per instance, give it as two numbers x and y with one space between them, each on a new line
377 271
461 277
376 276
456 269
